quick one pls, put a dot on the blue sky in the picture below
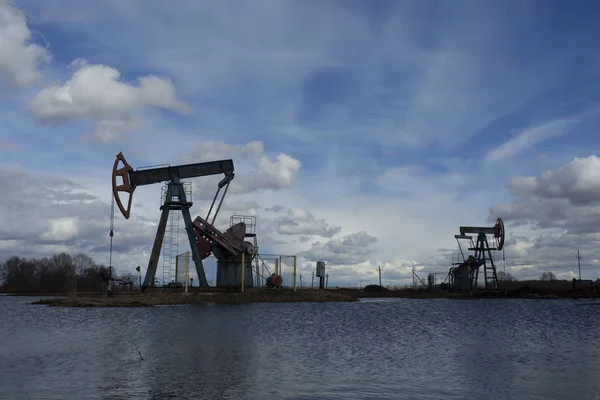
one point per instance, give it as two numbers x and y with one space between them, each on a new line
408 118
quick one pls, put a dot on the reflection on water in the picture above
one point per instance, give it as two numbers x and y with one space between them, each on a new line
378 349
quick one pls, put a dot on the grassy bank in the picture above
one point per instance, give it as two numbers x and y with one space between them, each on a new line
158 298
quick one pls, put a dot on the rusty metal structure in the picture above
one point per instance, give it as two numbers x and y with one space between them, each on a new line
274 281
464 275
231 250
201 234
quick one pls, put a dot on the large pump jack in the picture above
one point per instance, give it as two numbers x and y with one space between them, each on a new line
482 256
175 199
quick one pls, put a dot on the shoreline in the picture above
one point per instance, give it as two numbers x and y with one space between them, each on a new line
197 298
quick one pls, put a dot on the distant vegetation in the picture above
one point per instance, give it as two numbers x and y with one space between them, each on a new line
61 273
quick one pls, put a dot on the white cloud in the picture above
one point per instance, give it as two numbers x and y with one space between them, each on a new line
20 57
97 92
263 173
301 105
578 182
61 229
302 222
241 206
532 136
276 208
561 207
55 214
394 92
111 129
347 250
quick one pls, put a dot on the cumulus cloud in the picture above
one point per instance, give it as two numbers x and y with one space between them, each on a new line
276 208
241 206
302 222
394 273
578 182
263 173
566 198
111 129
20 57
562 208
347 250
97 92
46 214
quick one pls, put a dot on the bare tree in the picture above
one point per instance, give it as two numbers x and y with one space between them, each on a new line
59 273
505 276
548 276
82 263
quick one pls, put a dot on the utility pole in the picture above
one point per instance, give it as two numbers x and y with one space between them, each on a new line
379 268
326 280
413 276
579 263
300 280
312 283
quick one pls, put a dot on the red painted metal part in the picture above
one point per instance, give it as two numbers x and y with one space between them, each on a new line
276 280
499 233
204 246
206 234
237 231
125 186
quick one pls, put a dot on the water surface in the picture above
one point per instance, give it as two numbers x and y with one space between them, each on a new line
372 349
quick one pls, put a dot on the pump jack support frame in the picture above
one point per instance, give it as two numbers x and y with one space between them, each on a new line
174 189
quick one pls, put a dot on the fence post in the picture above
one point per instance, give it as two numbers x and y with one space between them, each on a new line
294 273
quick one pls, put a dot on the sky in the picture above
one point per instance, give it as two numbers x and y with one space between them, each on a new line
363 134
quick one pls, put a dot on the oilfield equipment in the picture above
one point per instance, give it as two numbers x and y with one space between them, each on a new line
431 281
236 249
182 271
320 273
463 276
276 278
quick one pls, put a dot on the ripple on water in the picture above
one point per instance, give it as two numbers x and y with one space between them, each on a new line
384 348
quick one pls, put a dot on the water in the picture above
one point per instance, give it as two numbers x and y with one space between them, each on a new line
374 349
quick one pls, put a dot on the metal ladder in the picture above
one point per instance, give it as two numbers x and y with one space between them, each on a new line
489 272
170 244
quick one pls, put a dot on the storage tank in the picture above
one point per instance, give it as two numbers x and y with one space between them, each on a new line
320 268
431 279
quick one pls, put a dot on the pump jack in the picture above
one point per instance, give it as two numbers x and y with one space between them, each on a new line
175 199
482 256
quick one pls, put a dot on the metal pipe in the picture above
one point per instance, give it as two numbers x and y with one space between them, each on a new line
213 203
220 203
294 273
243 269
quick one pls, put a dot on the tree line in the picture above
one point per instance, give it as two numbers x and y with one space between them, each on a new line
60 273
